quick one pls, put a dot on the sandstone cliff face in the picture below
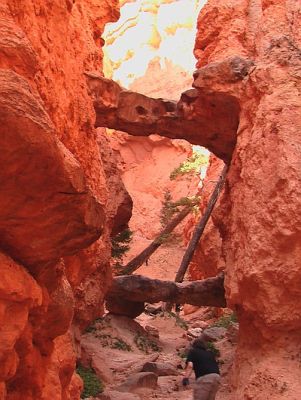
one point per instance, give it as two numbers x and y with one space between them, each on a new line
147 164
54 192
258 217
249 81
149 50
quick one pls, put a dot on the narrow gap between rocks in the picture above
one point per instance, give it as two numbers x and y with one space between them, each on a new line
150 51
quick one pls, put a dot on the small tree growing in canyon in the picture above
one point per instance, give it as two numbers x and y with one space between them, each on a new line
168 209
120 246
172 208
136 262
191 165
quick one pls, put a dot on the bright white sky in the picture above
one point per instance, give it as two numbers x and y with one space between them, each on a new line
169 35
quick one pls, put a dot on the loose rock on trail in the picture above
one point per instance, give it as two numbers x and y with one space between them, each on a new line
145 358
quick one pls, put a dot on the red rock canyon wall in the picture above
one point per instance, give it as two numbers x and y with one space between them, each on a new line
258 216
54 192
248 81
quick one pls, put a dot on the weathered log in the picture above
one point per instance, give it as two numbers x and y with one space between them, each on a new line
136 262
138 288
199 229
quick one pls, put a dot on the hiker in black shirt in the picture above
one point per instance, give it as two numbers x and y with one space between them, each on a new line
206 370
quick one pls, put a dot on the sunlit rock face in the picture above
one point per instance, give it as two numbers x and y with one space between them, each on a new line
147 30
258 217
54 235
147 165
150 50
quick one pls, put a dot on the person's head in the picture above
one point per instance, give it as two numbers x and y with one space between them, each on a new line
199 344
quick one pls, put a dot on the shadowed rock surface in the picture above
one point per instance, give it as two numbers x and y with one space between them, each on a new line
48 198
204 117
53 194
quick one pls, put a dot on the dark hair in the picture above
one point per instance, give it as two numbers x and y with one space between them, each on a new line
199 344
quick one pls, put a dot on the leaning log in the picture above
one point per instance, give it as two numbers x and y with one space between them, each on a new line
140 289
136 262
198 231
200 227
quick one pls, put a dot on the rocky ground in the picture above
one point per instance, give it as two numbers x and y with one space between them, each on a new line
144 358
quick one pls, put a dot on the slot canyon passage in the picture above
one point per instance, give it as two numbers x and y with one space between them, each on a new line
82 159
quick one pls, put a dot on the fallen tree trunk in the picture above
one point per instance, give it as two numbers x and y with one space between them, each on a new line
127 291
198 231
136 262
200 227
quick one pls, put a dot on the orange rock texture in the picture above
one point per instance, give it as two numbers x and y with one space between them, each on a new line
207 260
147 165
258 217
149 50
54 192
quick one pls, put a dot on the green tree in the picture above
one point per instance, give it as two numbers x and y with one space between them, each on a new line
120 246
192 165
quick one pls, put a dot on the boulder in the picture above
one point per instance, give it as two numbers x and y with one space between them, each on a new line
195 332
33 230
160 369
152 331
139 380
232 333
213 334
153 308
127 308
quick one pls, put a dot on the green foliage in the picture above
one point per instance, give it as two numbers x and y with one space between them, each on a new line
97 329
104 339
145 344
120 243
92 328
187 201
226 320
120 246
170 208
211 347
178 320
120 345
113 342
191 165
92 384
